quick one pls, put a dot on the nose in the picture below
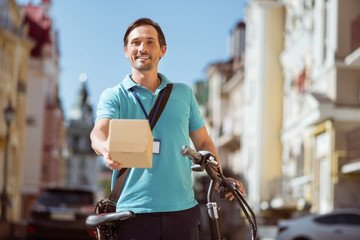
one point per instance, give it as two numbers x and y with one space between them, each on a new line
142 47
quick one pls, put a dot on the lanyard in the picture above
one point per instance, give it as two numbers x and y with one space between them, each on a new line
142 106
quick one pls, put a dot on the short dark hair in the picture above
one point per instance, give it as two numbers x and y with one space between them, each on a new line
145 21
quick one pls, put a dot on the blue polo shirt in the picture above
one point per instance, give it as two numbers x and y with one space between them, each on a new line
167 186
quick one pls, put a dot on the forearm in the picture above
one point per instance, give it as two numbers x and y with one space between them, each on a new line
203 142
99 137
98 142
210 147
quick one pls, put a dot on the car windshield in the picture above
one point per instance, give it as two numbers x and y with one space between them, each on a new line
344 218
57 198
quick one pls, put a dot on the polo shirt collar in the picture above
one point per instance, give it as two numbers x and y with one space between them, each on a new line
164 81
129 83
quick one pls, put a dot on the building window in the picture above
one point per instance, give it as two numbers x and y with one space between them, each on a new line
1 56
8 61
300 83
355 33
323 30
84 144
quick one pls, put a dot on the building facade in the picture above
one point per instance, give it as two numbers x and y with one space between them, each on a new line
223 112
263 80
321 114
44 132
294 108
82 164
224 115
15 49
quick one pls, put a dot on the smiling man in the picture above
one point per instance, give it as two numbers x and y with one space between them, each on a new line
143 50
162 196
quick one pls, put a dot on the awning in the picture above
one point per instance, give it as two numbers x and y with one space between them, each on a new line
353 59
352 167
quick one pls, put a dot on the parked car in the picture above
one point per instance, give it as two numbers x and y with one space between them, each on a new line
339 224
60 213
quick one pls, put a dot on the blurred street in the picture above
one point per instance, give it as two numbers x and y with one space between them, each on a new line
281 102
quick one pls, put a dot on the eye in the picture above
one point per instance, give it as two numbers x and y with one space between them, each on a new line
151 42
135 43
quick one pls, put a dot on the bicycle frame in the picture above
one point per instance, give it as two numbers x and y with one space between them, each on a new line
204 160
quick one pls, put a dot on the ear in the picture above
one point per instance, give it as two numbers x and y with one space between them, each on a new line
163 51
126 52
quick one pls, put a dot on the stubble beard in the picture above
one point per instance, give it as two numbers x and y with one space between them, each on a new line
144 67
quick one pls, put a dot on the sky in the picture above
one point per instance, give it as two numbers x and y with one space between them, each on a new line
91 33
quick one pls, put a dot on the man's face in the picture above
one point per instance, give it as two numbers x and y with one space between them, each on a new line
143 49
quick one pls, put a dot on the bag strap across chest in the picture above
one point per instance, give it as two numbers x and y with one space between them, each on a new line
158 107
153 117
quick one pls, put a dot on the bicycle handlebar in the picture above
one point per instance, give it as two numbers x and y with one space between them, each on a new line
187 151
204 159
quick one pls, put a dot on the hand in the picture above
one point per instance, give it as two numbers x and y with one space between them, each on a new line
107 159
238 185
111 164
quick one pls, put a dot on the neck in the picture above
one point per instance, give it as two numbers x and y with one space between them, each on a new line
149 80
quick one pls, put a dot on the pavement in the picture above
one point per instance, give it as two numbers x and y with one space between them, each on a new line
12 231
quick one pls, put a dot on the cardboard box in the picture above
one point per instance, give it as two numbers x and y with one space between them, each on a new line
131 142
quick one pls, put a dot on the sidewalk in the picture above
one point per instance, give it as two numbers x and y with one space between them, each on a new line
13 231
5 230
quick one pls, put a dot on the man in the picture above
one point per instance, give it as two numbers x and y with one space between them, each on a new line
162 196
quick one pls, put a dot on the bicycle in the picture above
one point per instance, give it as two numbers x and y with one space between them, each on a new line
107 223
204 160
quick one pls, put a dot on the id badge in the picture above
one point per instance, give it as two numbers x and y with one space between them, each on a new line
156 146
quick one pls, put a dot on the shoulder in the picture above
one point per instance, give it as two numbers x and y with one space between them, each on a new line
113 92
182 88
176 86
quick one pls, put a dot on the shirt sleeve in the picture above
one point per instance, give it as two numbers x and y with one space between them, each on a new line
109 105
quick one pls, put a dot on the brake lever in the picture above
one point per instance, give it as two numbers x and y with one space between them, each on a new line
206 158
212 161
197 168
223 190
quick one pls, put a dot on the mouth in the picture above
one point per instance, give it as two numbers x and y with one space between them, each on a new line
143 57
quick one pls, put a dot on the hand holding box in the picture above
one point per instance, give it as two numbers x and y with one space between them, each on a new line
131 142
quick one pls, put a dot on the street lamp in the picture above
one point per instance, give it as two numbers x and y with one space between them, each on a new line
9 113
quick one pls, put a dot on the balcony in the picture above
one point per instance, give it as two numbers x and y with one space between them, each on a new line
350 161
353 59
6 24
281 203
267 3
352 167
233 83
355 33
229 136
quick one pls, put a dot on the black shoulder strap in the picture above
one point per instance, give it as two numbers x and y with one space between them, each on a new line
119 183
162 105
121 177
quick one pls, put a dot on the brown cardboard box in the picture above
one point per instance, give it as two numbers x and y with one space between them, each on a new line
131 142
